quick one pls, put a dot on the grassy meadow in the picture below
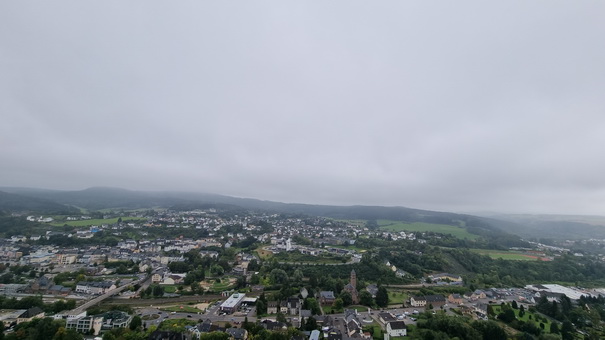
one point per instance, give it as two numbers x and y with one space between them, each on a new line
458 232
526 317
506 255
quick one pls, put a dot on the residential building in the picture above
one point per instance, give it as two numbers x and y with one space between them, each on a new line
386 317
9 317
30 314
85 324
94 288
326 297
272 307
167 335
433 300
116 319
237 333
397 328
455 299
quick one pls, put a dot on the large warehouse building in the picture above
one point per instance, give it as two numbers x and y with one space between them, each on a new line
232 303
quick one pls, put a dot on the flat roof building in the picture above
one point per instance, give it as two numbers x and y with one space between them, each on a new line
232 303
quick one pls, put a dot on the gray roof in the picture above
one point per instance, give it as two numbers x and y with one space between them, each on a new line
236 333
31 312
398 325
327 294
435 298
103 284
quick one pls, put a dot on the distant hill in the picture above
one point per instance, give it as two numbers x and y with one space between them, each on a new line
100 198
97 198
556 227
10 202
115 198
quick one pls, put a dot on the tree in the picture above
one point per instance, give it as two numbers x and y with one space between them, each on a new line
365 298
158 290
554 309
179 267
382 297
280 317
515 305
346 298
311 324
312 305
521 311
278 276
67 334
297 277
38 329
217 270
554 328
241 282
337 304
80 278
490 330
253 266
261 307
507 315
214 336
136 323
567 330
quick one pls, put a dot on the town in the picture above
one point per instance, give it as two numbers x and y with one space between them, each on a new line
187 274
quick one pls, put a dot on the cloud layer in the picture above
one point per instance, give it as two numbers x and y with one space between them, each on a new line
443 105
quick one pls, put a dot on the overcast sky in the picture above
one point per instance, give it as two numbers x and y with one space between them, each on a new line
446 105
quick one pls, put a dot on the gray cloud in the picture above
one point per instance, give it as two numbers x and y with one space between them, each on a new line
448 105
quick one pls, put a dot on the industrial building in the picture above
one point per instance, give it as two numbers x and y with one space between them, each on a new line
232 303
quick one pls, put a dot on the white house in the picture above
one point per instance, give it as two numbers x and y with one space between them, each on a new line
417 301
397 328
95 288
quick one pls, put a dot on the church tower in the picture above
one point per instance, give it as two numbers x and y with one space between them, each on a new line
353 279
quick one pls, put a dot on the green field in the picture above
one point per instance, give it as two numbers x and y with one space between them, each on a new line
177 325
169 289
359 309
331 310
353 222
498 309
458 232
225 284
505 255
397 297
86 223
264 254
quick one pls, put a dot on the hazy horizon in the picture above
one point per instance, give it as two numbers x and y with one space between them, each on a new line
461 107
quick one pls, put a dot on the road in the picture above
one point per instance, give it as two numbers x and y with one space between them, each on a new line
162 301
100 298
